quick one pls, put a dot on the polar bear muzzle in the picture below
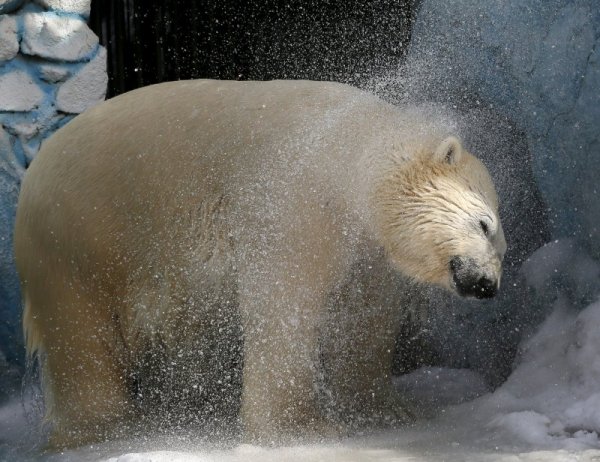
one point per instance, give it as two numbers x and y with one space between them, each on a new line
470 280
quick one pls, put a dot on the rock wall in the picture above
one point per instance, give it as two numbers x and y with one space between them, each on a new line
51 68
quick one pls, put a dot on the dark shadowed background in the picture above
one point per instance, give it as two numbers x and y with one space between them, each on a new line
150 41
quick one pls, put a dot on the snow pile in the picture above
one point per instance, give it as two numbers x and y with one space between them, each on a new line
552 399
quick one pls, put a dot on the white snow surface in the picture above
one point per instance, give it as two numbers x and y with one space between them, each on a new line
548 409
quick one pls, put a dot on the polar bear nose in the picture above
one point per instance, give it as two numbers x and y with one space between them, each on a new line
469 280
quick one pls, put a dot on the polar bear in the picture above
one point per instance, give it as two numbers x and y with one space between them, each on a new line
201 233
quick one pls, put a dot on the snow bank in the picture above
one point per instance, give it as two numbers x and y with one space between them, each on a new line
552 398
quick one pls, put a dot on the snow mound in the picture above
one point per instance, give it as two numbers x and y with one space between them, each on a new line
552 398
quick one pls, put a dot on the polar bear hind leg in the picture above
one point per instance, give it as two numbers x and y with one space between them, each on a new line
86 393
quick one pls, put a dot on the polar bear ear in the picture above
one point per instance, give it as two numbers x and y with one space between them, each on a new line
448 151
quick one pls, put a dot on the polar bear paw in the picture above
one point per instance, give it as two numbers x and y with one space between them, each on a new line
315 430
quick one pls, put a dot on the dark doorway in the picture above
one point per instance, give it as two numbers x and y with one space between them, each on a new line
151 41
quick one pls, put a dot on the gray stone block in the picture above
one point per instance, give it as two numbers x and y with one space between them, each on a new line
86 88
9 39
60 38
18 92
81 7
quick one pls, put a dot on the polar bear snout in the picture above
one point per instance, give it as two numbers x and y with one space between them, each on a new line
470 280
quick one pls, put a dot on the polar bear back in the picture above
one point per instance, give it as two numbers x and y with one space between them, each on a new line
157 145
158 174
154 176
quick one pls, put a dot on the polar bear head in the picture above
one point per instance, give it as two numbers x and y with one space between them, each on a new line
438 220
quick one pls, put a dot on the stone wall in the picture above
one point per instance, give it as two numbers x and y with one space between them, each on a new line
51 68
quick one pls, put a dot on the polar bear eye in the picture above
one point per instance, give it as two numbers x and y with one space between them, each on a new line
484 227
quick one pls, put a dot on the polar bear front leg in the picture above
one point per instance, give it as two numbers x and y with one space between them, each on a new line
279 398
368 310
282 298
85 381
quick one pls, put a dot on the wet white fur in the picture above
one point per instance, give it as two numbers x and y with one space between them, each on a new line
147 218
